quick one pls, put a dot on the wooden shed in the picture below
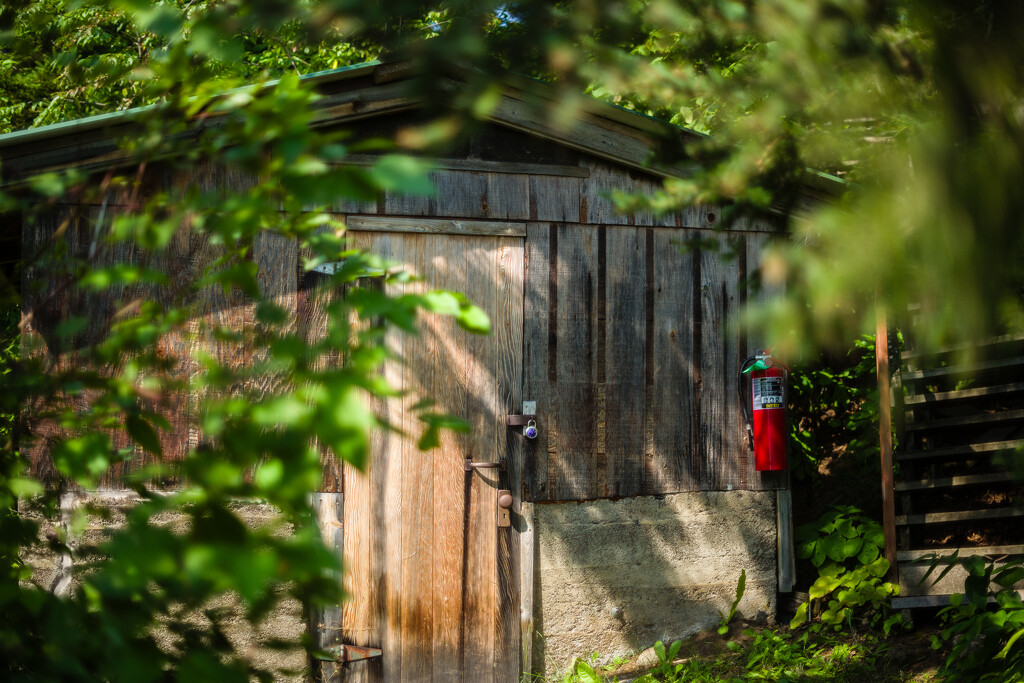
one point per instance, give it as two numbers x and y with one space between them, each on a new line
637 505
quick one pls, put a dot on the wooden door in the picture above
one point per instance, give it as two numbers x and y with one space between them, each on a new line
432 580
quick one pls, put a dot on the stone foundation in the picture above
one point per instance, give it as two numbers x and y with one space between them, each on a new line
613 577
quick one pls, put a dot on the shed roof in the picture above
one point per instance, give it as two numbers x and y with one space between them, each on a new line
377 88
361 91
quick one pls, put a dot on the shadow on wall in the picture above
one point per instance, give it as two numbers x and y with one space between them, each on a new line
613 577
625 349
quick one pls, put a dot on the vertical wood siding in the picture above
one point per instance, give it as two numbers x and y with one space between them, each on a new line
631 353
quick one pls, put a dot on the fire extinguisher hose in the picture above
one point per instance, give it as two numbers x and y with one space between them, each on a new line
748 420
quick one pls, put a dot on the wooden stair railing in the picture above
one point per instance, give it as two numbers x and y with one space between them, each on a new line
959 419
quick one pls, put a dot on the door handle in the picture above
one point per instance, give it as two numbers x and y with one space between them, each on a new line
470 465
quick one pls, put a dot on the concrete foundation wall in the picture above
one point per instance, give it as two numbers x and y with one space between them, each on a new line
613 577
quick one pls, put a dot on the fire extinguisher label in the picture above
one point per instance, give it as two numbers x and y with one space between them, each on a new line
768 393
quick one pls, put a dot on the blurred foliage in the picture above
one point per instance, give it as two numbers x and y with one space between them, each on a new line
913 108
833 411
93 390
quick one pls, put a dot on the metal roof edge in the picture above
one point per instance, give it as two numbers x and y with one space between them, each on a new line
108 119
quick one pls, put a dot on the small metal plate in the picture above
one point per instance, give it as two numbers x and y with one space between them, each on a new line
504 517
529 407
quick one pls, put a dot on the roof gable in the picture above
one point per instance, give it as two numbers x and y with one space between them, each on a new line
358 93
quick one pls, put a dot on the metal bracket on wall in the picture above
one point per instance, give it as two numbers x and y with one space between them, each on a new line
344 654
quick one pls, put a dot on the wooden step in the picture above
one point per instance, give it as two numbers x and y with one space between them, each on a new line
961 370
966 420
912 601
928 400
962 516
910 354
970 450
950 482
945 553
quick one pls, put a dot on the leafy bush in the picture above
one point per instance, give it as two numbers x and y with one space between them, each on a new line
835 400
846 547
985 638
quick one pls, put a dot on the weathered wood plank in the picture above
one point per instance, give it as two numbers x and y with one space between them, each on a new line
959 516
676 409
435 225
536 334
508 335
487 166
615 141
447 385
313 295
417 251
556 199
481 561
325 621
175 403
508 196
718 435
277 258
573 475
389 473
459 193
785 549
625 360
527 545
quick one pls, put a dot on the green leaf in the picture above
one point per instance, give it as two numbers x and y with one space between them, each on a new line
1009 644
800 618
868 554
403 174
143 433
585 673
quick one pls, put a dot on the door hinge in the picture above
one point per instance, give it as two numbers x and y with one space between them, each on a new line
344 654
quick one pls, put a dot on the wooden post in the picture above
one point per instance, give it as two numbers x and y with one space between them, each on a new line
526 550
325 622
787 557
885 438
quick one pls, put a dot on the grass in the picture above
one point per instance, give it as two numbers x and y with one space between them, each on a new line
756 653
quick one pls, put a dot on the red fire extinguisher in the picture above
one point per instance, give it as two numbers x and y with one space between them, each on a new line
766 421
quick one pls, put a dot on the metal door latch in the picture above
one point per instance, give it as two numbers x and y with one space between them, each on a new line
528 420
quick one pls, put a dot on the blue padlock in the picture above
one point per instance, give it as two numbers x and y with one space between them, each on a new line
530 431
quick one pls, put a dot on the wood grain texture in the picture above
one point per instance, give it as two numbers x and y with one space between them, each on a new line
480 589
441 600
508 196
625 361
606 178
459 193
574 423
417 485
435 225
446 384
508 337
527 550
674 407
555 199
719 427
325 621
277 260
313 296
536 310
